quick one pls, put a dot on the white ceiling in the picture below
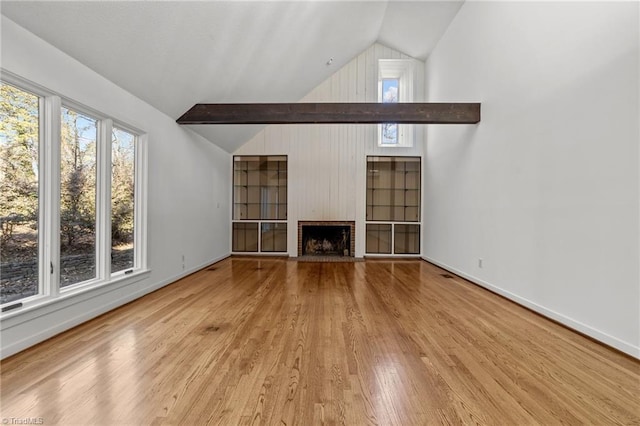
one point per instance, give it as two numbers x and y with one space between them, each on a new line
176 54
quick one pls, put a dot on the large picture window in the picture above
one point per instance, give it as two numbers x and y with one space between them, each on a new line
259 204
71 209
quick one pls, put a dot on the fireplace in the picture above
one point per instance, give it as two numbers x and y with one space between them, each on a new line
328 238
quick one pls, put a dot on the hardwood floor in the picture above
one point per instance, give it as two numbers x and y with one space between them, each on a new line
276 341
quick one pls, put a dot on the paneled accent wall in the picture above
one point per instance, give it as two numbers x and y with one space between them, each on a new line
327 163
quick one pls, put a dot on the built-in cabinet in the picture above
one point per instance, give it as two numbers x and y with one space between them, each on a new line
327 164
259 204
393 205
393 189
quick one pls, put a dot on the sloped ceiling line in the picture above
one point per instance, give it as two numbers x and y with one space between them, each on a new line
175 54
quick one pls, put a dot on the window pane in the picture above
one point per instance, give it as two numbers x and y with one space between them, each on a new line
389 133
393 189
122 199
274 237
245 237
390 90
19 144
406 239
378 238
390 95
77 197
260 188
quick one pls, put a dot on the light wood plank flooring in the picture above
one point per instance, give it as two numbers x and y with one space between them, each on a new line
276 341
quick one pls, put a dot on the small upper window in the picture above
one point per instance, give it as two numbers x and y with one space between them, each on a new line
395 84
390 90
390 96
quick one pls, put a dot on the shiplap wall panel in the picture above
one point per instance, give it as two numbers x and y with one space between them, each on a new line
327 163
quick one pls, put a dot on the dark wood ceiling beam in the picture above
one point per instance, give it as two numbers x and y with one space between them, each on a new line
344 113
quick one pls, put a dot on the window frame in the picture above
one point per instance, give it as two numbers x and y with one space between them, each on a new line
44 106
140 200
50 123
100 194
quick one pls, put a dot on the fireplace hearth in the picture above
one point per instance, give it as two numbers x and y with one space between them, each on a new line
326 238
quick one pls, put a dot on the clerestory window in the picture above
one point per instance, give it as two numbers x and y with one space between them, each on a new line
395 84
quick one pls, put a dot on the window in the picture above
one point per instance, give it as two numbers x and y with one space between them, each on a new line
245 237
378 238
123 190
393 205
406 239
390 96
273 237
19 193
395 84
259 194
71 215
78 156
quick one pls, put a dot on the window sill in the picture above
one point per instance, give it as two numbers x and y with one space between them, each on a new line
395 145
46 305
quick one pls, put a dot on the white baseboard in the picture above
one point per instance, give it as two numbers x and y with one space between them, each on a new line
598 335
31 339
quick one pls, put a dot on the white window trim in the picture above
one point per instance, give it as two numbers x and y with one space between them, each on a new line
404 71
140 202
49 291
103 203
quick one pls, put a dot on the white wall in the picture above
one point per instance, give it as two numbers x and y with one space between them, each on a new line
545 189
188 196
327 163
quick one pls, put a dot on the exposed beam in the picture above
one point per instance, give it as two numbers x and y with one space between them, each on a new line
308 113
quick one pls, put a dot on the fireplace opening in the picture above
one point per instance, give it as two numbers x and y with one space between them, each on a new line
326 240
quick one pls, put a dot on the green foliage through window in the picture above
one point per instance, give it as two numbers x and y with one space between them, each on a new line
19 160
122 199
82 205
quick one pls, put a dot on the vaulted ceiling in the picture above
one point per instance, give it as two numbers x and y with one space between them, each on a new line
176 54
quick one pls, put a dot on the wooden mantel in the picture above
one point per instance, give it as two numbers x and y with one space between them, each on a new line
309 113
